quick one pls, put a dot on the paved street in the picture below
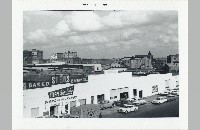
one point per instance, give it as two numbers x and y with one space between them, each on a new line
169 109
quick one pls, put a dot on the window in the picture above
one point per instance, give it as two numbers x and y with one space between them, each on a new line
115 96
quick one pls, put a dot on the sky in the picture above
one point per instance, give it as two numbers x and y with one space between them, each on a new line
101 34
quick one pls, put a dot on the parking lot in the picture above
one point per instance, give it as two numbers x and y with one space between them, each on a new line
149 110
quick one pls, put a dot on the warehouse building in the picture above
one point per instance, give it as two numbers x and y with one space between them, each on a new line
111 85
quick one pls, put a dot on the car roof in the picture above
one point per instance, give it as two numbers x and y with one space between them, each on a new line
128 105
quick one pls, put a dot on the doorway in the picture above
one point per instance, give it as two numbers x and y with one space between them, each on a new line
100 98
66 108
140 94
53 110
92 99
123 95
134 92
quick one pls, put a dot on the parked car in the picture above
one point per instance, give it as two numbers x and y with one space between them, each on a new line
169 90
175 92
159 100
127 108
121 103
106 104
131 99
171 99
164 93
139 102
170 95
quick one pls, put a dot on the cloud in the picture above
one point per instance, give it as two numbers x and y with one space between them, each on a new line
61 28
83 21
92 47
121 18
90 38
37 36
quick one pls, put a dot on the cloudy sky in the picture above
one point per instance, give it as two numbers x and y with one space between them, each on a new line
102 34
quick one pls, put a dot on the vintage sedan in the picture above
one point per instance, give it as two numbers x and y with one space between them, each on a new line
127 108
137 101
159 100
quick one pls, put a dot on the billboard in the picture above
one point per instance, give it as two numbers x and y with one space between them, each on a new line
61 92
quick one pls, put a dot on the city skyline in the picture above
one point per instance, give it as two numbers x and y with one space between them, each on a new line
102 34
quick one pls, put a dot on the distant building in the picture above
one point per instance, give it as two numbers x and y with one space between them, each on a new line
27 57
32 56
159 63
126 61
67 57
173 63
115 64
96 61
141 61
70 55
172 58
86 61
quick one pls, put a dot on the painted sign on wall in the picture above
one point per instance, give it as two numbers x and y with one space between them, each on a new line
37 84
60 79
60 100
155 89
78 79
61 92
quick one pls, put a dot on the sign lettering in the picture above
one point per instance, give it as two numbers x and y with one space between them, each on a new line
62 99
38 84
61 92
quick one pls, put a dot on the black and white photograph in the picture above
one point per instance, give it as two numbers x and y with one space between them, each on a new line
101 64
112 65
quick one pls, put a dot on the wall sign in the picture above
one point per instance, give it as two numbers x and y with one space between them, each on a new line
60 79
37 84
62 92
155 89
78 79
60 100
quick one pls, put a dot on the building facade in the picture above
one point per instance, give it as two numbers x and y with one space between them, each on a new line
126 62
64 57
111 86
141 61
172 58
32 56
173 63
